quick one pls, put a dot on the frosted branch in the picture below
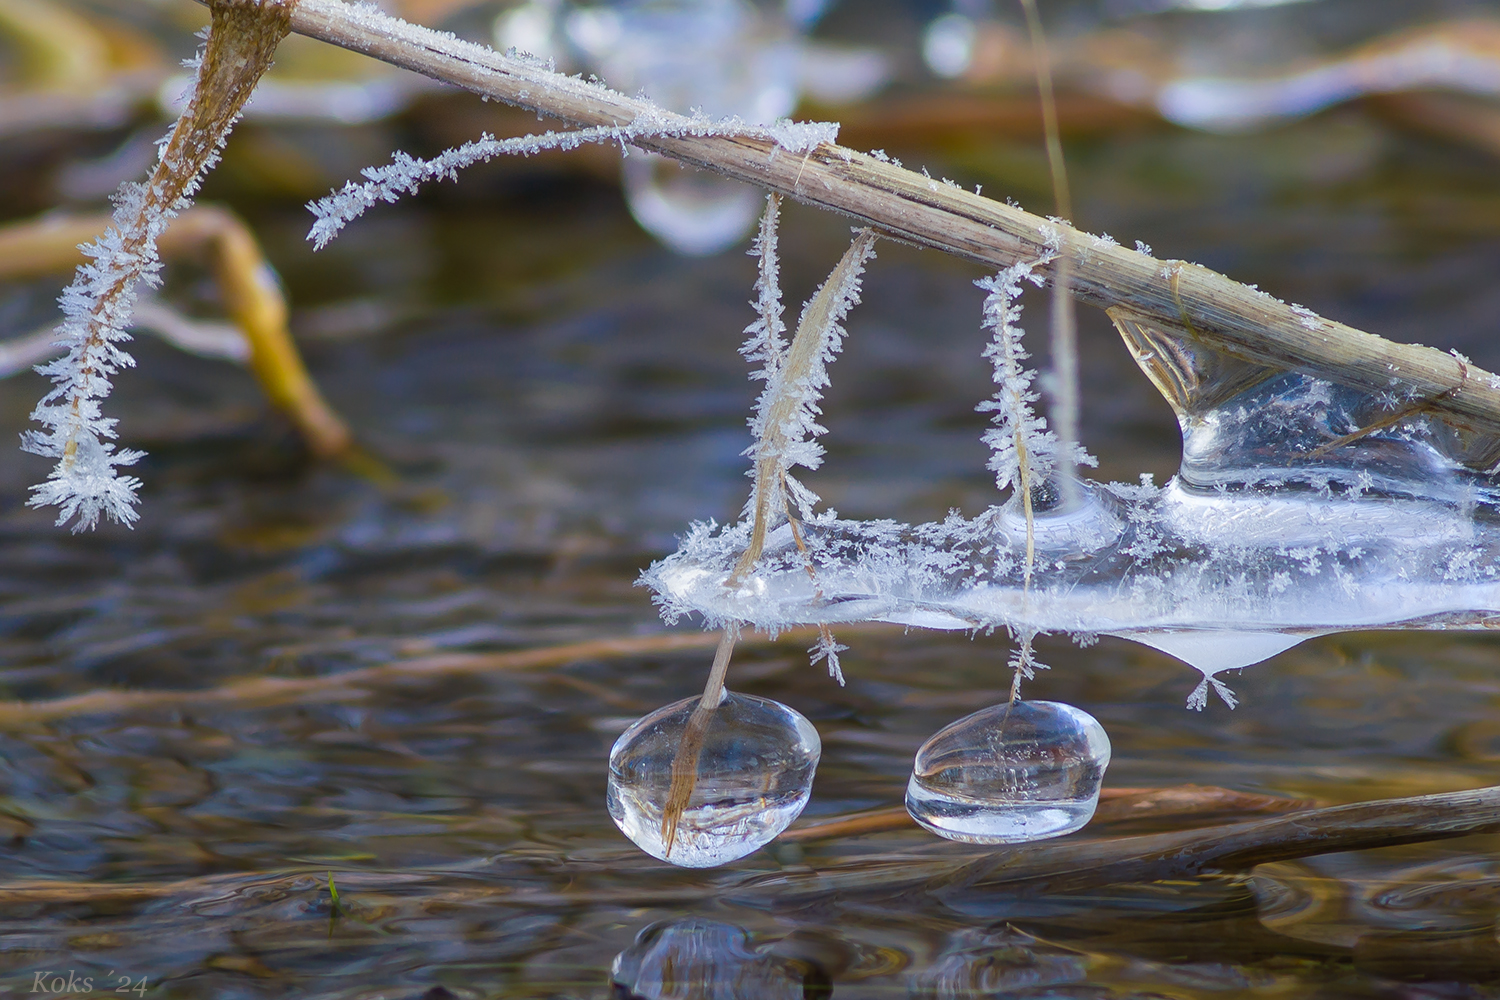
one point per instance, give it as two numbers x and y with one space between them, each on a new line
1022 448
1222 313
405 173
97 306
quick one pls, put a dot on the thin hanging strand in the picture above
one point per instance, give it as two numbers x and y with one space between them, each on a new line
1064 326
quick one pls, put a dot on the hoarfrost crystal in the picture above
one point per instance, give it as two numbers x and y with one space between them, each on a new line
1025 770
755 767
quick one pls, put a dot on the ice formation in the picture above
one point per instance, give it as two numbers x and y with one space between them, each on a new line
1009 774
752 775
1301 507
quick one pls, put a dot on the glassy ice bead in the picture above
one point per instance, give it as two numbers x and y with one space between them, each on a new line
1010 773
754 774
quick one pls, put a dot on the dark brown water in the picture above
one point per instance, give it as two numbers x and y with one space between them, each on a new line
554 398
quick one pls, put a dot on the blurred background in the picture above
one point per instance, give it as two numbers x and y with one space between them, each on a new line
538 364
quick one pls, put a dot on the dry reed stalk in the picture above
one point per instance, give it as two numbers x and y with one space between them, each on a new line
262 691
249 287
1064 326
1178 297
685 761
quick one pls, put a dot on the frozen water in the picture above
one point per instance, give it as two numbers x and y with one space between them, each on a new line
1301 508
754 774
1213 651
1025 770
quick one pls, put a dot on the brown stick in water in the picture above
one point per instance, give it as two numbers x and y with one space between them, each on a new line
685 763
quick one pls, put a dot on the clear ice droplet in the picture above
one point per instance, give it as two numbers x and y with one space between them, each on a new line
755 768
1010 773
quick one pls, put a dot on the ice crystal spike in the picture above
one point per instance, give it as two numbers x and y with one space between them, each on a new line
755 765
1025 770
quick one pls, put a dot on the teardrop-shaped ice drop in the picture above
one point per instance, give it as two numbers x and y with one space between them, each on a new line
1022 771
754 773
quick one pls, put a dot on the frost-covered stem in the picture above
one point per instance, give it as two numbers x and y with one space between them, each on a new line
1064 326
767 345
1023 449
785 419
1226 314
242 38
1023 665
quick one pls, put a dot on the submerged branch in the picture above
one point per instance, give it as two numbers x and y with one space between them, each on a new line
1054 865
1070 864
1220 312
1116 805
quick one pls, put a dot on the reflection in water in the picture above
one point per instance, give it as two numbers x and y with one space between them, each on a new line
725 57
986 962
1431 922
698 959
